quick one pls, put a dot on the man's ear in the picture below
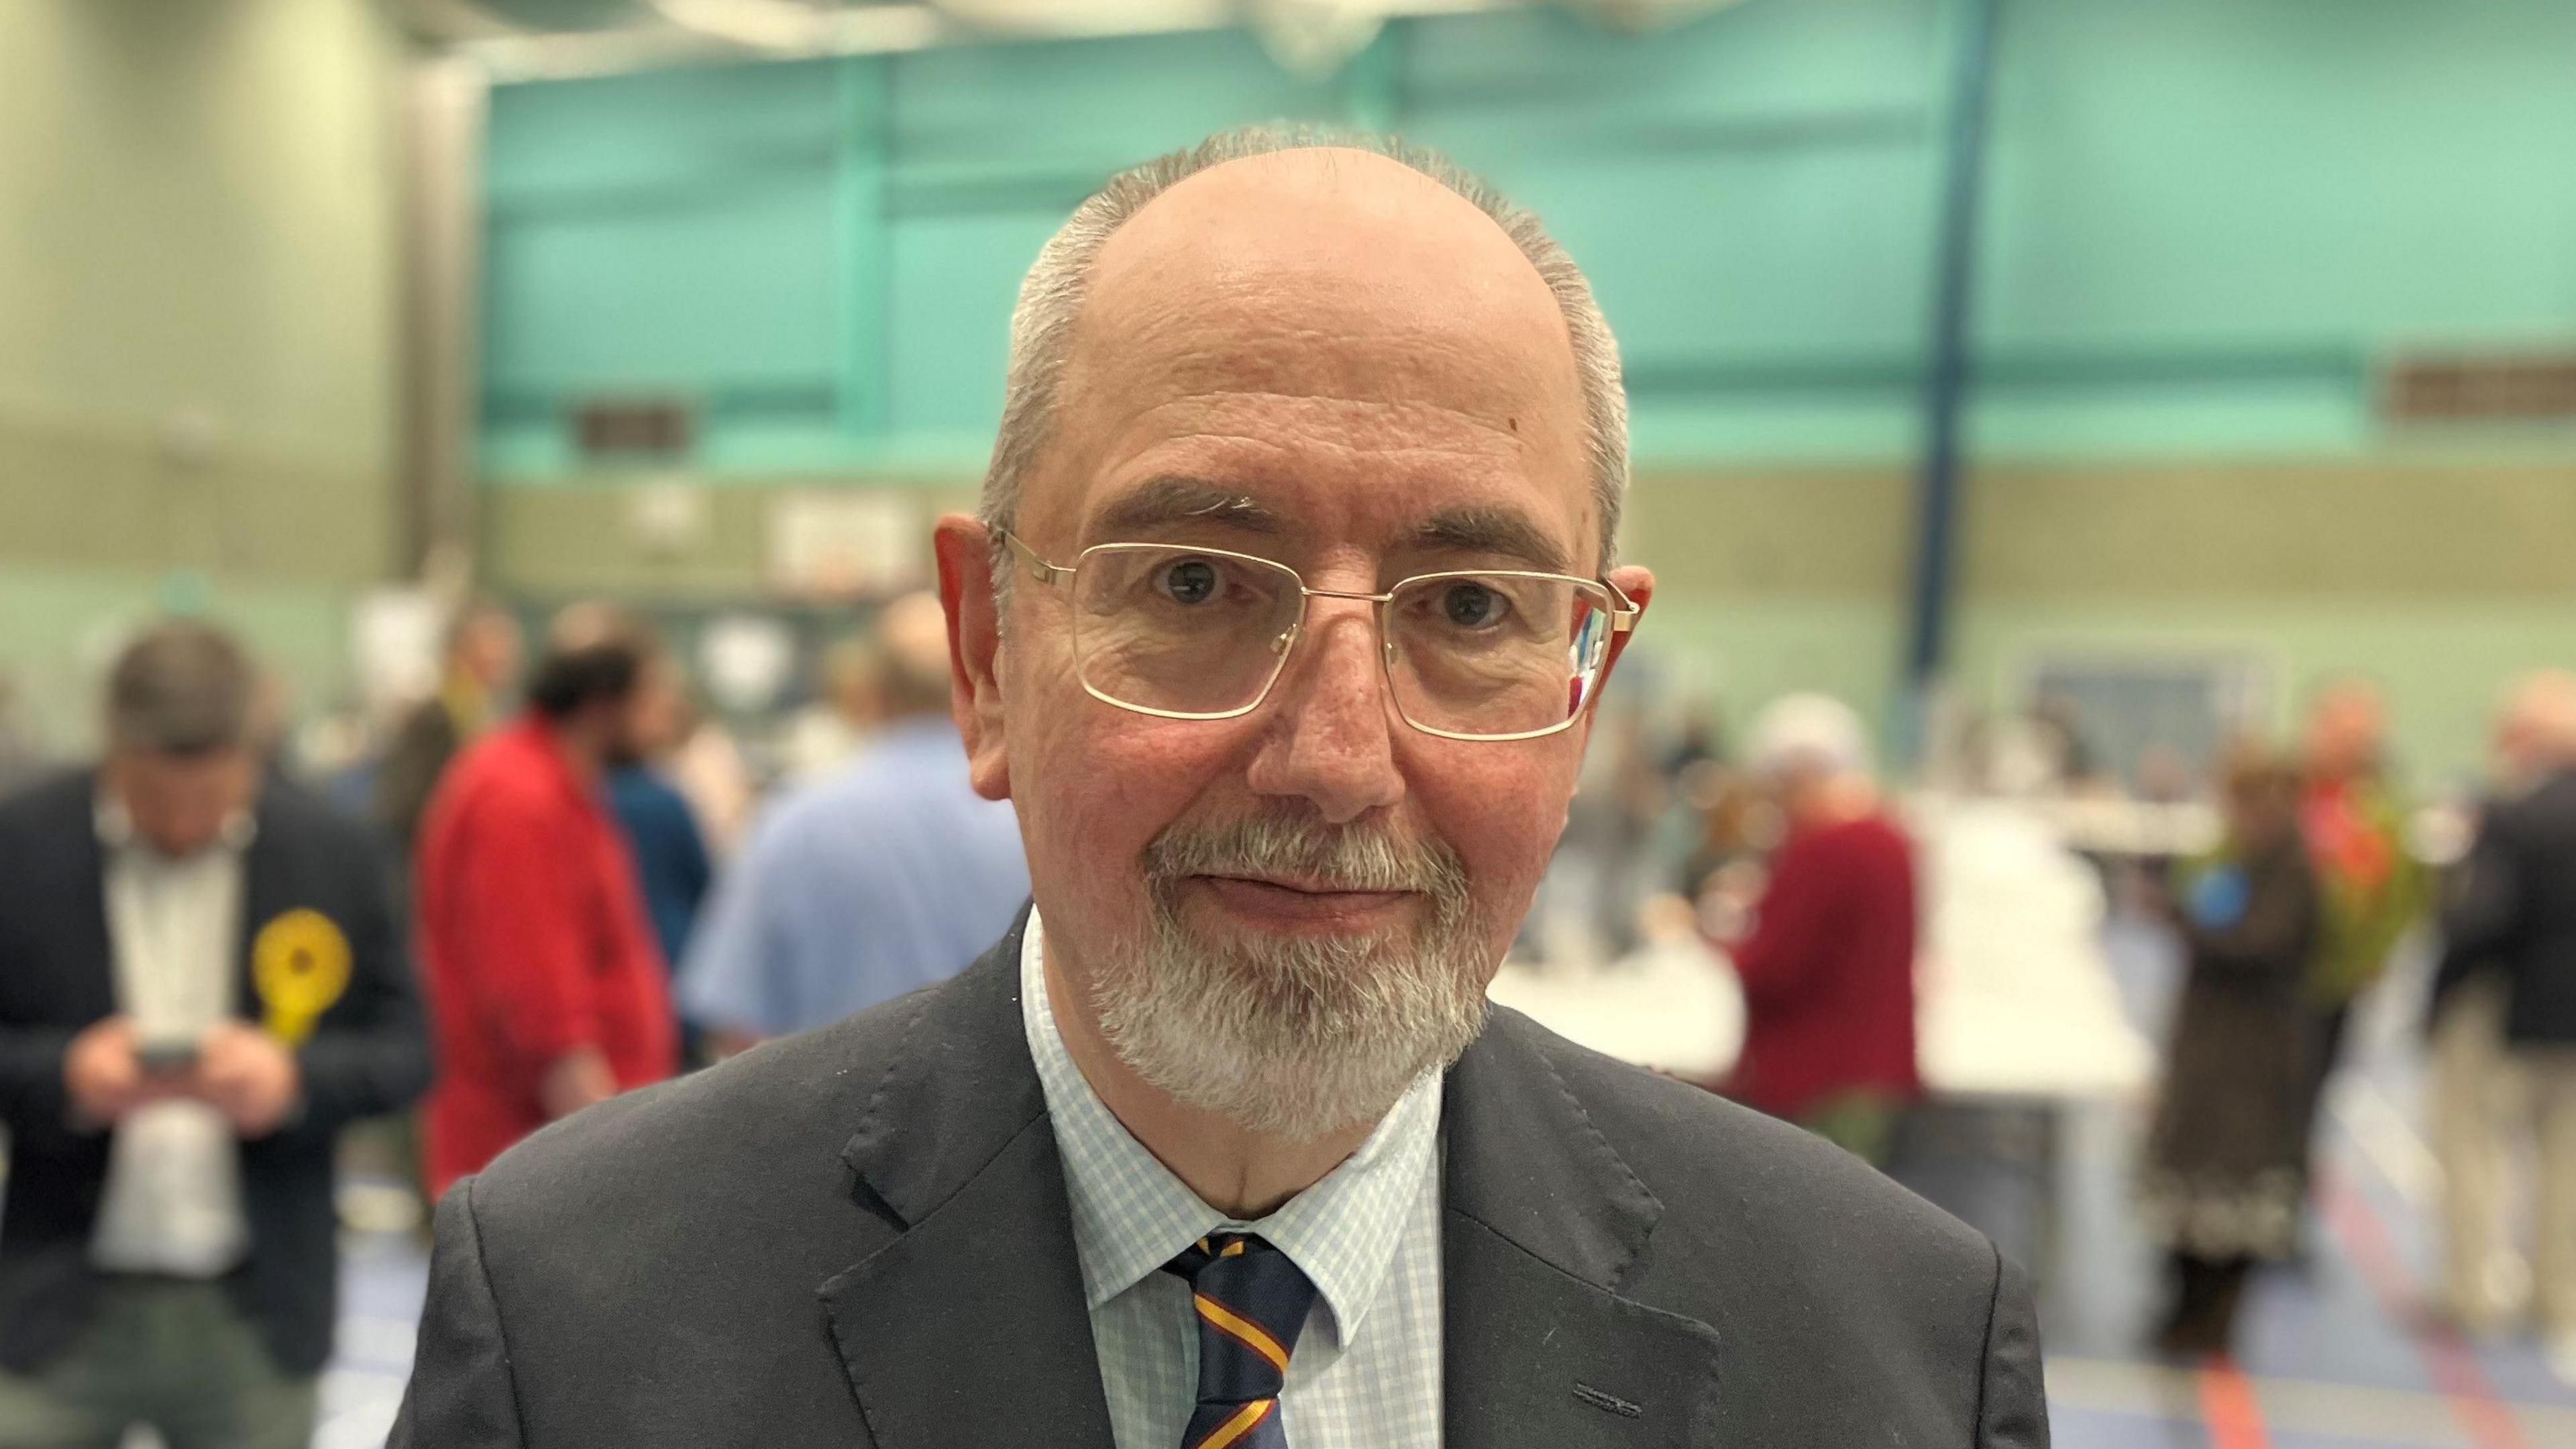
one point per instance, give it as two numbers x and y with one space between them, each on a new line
1639 585
965 552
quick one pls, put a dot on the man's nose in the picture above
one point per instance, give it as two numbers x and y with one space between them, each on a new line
1331 735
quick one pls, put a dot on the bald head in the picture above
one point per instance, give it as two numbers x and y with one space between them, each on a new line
1312 265
2536 731
1392 312
1343 241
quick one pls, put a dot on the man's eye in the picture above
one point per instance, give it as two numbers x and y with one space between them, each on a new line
1189 581
1473 606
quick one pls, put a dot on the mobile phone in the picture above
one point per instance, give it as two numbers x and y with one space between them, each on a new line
168 1057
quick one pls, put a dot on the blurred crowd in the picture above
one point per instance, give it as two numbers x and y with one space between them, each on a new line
2287 882
551 880
536 893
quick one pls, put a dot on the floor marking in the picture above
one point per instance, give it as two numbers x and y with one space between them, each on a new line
2228 1407
2454 1370
2294 1409
2391 1143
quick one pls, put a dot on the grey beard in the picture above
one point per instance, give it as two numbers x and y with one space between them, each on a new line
1295 1037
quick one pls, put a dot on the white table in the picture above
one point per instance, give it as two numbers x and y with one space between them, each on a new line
1673 1006
2016 1009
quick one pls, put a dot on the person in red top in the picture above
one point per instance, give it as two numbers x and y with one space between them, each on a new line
547 990
1828 965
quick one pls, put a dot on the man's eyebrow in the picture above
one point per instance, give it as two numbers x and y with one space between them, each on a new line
1488 530
1171 499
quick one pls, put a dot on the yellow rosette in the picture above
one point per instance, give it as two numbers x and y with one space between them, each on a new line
300 964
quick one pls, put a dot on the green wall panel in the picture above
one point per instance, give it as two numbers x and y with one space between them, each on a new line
662 130
728 294
2208 221
2203 172
950 317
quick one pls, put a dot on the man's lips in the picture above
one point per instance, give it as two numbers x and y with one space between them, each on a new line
1290 903
1304 887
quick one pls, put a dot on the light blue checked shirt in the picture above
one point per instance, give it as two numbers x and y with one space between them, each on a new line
1366 1371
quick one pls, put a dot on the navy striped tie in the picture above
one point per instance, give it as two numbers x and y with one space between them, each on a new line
1251 1303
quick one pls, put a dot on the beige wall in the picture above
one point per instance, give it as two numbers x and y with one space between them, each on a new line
573 540
197 323
2441 580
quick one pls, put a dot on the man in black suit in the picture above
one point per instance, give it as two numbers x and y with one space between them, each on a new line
1281 627
2513 911
200 982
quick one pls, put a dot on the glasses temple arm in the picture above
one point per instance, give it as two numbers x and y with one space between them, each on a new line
1039 569
1624 613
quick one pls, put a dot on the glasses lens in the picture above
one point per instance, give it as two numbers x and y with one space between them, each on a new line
1495 654
1180 630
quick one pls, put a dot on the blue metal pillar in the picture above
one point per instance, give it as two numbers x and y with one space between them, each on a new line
1945 392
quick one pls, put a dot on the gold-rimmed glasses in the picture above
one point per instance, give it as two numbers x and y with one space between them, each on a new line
1183 632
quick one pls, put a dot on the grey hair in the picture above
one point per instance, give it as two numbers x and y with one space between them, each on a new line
1052 295
181 688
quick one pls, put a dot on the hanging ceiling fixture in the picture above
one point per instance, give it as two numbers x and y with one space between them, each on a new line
533 39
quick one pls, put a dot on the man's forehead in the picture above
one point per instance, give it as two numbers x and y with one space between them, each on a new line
1354 185
1451 522
1331 236
1335 298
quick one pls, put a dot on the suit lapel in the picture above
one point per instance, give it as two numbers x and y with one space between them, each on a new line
1542 1225
970 1327
265 894
93 945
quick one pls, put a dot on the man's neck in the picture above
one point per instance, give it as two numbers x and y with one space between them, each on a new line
1837 801
1245 1175
582 751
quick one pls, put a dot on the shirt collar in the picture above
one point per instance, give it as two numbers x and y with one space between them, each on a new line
1131 1215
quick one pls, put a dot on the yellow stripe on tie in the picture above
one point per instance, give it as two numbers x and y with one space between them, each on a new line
1237 1246
1245 1420
1252 1335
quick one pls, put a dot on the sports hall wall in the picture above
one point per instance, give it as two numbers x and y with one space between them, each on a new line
197 329
2206 226
2174 431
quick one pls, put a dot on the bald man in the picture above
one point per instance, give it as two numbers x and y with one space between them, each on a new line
2509 970
887 876
1281 625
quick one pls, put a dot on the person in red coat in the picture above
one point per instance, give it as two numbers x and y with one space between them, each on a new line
1828 964
547 990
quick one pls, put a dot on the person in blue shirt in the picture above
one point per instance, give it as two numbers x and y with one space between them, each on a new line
889 875
661 829
670 853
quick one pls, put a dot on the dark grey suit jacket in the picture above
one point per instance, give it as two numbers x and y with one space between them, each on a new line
860 1237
